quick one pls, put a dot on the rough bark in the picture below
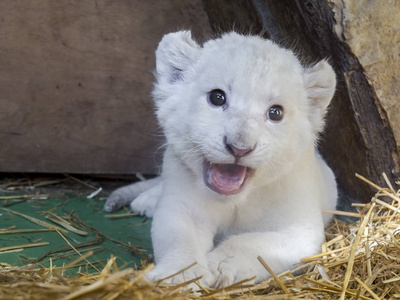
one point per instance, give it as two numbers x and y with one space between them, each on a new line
359 137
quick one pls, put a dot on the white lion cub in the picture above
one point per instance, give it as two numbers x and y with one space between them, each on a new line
241 175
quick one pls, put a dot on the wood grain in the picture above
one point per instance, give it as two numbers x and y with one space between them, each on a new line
75 82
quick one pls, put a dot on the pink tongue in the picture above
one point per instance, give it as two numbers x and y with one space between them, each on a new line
225 179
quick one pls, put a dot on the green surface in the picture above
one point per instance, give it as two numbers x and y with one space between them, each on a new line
120 237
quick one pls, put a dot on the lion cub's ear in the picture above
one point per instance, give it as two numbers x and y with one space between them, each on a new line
175 53
320 83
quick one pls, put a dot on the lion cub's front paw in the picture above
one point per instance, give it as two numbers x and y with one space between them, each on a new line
205 277
229 267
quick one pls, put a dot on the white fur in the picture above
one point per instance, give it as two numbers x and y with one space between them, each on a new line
278 214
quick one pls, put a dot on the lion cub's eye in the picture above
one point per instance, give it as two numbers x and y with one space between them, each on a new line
217 97
275 113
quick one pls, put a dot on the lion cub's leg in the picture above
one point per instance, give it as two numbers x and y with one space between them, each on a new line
125 195
146 202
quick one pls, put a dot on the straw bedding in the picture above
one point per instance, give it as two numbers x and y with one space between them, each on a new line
360 260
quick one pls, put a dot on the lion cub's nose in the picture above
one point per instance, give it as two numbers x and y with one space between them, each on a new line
237 152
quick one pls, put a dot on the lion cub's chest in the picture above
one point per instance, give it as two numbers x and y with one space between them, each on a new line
250 216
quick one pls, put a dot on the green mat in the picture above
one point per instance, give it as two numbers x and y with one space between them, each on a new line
126 237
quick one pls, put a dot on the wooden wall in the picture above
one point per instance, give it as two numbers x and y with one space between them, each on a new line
75 82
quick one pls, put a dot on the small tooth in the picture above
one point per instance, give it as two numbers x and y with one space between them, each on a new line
209 175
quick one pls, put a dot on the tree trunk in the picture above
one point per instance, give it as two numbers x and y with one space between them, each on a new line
359 136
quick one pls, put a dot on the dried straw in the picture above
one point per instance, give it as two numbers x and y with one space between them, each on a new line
360 260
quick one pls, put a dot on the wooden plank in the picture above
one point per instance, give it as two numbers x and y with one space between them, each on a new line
75 82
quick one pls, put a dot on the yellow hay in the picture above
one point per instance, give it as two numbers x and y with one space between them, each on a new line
359 260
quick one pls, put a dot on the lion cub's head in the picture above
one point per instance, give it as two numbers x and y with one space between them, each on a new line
239 108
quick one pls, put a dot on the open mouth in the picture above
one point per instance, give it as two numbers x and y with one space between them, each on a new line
226 179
